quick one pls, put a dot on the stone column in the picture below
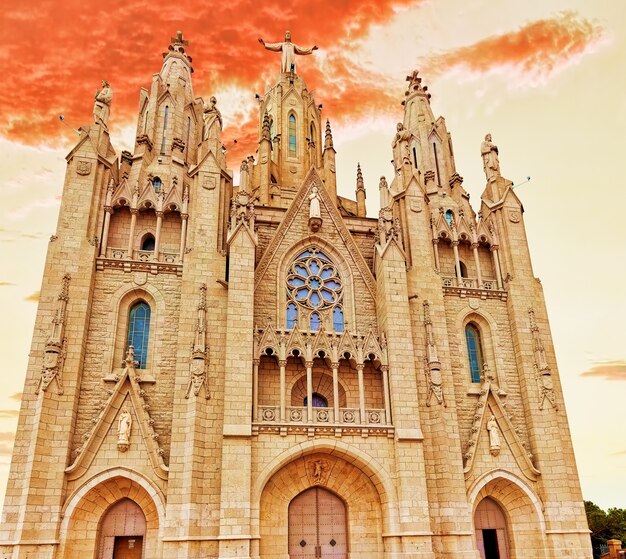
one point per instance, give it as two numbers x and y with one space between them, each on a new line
157 235
283 388
309 391
496 265
457 263
359 372
183 235
108 212
479 274
436 251
255 390
384 369
335 367
131 234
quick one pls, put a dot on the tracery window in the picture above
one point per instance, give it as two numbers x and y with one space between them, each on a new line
139 331
474 351
314 287
292 134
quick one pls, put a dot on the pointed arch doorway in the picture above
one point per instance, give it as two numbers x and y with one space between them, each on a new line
317 526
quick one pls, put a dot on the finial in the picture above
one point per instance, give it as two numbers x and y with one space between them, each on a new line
265 131
359 176
178 40
415 84
328 139
177 45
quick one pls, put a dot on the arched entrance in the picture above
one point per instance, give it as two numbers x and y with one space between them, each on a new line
122 530
317 525
491 533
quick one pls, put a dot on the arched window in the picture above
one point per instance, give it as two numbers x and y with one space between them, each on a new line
338 322
315 322
474 351
312 132
292 315
167 111
139 330
292 134
148 242
156 184
449 216
318 401
463 269
314 284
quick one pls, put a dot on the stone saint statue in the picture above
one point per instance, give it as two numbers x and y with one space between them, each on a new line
102 104
400 144
491 164
494 435
212 120
314 208
288 50
124 424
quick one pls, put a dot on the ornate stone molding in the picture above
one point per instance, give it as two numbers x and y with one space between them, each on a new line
542 370
199 352
55 350
433 365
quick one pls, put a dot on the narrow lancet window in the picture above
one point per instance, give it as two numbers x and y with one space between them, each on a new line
474 351
292 135
139 331
449 217
315 321
148 242
187 136
292 316
338 323
167 111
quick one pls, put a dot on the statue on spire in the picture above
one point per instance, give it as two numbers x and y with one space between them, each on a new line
288 50
212 120
102 104
491 164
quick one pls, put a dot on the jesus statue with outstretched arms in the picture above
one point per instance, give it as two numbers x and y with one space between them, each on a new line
288 52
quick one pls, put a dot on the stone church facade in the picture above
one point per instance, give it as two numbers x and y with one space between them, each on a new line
262 371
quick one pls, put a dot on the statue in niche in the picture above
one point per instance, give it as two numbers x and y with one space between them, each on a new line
288 52
124 425
102 104
494 435
314 208
318 469
212 120
491 163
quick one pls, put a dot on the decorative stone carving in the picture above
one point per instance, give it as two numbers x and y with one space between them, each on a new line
494 436
433 365
388 227
288 52
491 164
83 167
55 350
102 104
199 352
124 426
542 370
318 471
514 216
315 214
242 210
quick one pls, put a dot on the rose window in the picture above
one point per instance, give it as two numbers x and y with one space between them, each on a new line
314 286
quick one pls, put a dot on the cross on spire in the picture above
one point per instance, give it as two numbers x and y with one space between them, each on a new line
178 40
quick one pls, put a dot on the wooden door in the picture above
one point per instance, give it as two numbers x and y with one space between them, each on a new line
128 547
317 526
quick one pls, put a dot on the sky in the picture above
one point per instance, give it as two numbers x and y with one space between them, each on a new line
544 77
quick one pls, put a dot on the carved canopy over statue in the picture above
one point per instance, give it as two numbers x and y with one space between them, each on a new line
102 104
212 121
491 164
288 50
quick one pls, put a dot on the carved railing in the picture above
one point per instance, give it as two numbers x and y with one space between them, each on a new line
469 283
114 253
322 416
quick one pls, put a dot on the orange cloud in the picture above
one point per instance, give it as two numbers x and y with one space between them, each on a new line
33 297
607 370
537 50
80 43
